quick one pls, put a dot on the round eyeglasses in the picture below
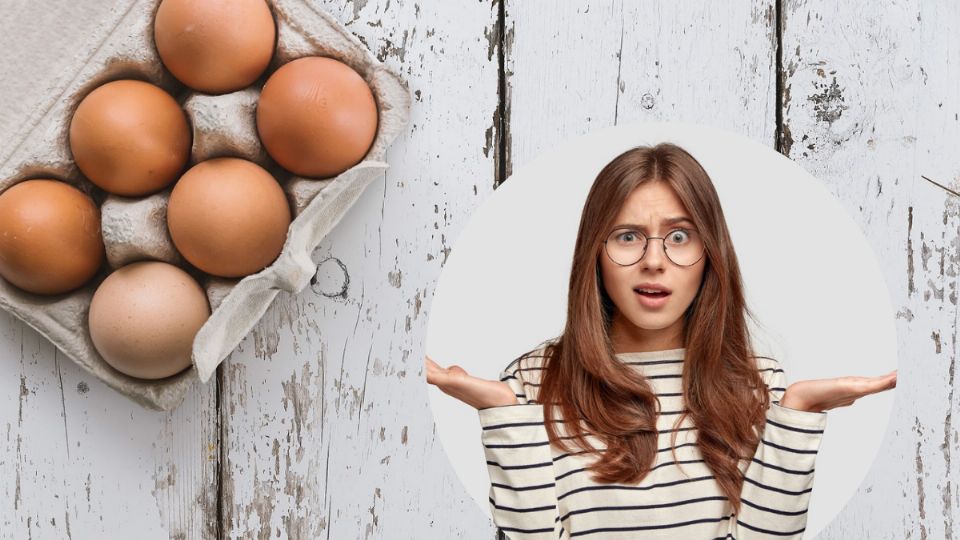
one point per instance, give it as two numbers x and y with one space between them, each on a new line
626 247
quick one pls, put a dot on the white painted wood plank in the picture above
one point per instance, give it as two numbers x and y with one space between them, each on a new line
872 105
82 461
328 431
78 459
578 66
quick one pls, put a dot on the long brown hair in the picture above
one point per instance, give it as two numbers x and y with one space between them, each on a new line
723 391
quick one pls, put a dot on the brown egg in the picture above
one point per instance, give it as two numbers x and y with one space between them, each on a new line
228 217
144 316
316 117
130 137
50 239
215 46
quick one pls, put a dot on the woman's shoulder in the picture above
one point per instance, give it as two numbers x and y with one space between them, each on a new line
769 368
528 366
766 362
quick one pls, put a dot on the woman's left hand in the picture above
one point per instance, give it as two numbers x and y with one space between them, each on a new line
820 395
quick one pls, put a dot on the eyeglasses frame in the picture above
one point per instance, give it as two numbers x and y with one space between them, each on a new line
647 243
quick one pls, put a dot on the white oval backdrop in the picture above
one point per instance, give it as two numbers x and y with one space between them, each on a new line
810 275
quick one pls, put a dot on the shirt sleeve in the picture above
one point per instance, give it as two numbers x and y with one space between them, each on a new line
523 498
779 479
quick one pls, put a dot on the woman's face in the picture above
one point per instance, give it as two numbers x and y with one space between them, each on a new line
640 321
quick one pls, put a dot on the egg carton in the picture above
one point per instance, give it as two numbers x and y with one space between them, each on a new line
222 125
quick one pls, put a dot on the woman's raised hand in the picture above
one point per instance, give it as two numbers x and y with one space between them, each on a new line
474 391
823 394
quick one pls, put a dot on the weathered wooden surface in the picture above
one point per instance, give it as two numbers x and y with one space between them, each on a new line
327 428
870 104
318 425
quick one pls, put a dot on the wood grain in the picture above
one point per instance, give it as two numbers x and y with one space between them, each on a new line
870 105
326 427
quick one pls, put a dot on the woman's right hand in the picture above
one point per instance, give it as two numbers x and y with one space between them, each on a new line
474 391
820 395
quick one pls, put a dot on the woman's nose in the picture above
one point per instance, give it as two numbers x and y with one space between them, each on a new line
654 257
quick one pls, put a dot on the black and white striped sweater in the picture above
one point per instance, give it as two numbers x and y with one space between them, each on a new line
539 492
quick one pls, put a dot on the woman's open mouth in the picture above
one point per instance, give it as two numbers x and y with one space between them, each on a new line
652 296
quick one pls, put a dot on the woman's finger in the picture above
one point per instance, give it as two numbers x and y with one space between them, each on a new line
883 382
857 387
435 373
435 368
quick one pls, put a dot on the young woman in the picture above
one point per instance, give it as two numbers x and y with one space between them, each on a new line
650 416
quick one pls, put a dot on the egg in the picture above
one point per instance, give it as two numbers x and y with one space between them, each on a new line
228 217
50 240
316 117
130 137
215 46
143 319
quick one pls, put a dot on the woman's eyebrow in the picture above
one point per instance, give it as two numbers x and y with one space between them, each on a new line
667 221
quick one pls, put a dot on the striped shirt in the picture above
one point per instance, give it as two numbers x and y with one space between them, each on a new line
538 491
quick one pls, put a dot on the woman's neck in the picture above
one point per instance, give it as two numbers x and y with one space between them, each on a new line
628 337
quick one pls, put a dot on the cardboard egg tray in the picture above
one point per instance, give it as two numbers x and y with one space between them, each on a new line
223 125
